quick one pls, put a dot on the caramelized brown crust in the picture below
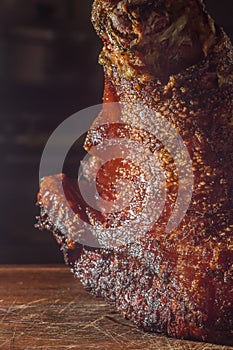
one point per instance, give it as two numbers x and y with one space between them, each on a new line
177 288
152 38
168 56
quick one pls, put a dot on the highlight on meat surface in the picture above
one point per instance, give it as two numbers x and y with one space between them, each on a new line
132 177
147 220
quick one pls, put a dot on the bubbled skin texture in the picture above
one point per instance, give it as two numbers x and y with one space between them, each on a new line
178 283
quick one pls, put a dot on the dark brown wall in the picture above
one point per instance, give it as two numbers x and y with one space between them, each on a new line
48 70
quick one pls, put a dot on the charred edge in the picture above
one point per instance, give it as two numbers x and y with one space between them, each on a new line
71 250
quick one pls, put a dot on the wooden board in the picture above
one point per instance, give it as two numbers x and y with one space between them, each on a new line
45 308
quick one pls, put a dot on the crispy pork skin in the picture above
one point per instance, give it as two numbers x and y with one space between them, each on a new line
167 56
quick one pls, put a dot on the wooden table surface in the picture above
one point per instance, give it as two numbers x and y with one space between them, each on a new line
44 307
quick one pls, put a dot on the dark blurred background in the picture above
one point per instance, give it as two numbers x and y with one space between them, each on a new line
48 71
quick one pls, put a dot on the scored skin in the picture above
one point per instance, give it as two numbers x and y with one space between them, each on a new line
178 284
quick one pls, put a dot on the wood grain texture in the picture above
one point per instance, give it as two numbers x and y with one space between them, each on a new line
46 308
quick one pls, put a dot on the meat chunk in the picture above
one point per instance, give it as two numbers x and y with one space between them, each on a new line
167 57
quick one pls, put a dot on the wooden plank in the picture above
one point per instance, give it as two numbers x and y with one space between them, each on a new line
45 308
